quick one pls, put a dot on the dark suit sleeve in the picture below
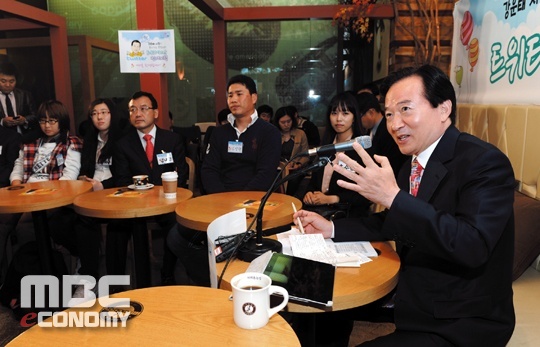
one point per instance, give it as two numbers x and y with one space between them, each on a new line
109 183
121 165
469 217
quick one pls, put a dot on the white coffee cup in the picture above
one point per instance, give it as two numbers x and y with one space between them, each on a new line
169 180
140 180
251 296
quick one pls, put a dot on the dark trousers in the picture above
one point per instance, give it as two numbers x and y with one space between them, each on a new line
118 235
191 248
80 235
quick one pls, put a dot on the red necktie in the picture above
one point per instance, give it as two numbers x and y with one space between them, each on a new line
416 175
149 148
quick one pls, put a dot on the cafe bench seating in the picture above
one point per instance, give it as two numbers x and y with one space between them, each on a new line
514 129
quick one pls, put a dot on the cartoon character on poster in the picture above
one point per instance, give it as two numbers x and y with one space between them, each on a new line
135 49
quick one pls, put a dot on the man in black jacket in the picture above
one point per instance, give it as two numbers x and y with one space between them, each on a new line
451 216
17 110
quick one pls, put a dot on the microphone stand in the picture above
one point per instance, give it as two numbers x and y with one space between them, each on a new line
258 246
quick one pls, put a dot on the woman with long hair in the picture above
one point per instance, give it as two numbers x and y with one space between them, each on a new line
293 142
323 193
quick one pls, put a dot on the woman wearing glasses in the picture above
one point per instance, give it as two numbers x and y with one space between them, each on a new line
99 140
55 155
79 234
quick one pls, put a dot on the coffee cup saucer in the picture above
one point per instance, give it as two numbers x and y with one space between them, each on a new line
143 187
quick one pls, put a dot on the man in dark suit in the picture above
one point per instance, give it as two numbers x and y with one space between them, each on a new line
17 110
455 238
131 158
382 142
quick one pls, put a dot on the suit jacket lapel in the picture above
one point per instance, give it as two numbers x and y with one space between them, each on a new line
436 169
139 149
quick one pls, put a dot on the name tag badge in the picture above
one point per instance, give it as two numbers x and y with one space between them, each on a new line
165 158
60 160
235 147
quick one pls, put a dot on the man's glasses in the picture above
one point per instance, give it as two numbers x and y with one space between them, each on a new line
135 109
102 113
48 121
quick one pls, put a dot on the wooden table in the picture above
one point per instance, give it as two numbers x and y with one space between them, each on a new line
122 203
353 287
46 195
199 212
171 316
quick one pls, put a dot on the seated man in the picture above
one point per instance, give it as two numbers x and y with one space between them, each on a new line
451 217
242 155
145 150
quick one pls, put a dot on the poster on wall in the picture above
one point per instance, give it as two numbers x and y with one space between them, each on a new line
496 51
146 51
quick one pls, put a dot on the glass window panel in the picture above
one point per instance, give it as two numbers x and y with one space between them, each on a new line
294 64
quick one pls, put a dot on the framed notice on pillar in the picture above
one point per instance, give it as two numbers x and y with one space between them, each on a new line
146 51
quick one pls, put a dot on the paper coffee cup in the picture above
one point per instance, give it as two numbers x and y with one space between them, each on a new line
169 180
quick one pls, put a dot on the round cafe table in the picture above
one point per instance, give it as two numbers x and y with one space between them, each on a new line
171 316
123 203
353 286
38 197
199 212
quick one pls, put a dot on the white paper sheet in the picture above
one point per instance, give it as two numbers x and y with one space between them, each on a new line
229 224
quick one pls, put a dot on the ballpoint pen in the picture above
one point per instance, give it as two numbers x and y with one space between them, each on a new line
298 219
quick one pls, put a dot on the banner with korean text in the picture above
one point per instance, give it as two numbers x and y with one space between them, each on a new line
146 51
496 51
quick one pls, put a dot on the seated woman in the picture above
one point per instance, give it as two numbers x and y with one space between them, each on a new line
96 162
293 142
55 155
323 193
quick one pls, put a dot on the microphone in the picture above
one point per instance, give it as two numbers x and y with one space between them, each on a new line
364 141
